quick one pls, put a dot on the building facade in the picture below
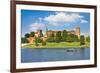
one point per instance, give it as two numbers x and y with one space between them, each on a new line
50 33
75 32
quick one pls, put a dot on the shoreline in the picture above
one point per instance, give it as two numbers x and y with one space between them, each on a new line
55 47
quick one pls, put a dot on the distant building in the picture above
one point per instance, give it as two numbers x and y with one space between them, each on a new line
75 32
71 32
39 33
49 33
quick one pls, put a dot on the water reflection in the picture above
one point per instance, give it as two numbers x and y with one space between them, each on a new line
63 54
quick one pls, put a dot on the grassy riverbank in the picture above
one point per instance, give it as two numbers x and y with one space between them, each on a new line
58 45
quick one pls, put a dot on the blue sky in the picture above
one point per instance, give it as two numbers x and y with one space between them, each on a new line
32 20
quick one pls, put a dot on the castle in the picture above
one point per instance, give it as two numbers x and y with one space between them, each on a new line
75 32
49 33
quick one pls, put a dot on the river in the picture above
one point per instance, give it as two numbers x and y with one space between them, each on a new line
62 54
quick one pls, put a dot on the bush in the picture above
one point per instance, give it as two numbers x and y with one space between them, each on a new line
58 37
36 41
39 40
88 39
43 43
82 40
51 39
27 35
24 40
32 34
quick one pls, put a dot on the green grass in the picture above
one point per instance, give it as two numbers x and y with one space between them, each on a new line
58 45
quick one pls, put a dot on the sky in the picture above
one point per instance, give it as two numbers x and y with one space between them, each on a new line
33 20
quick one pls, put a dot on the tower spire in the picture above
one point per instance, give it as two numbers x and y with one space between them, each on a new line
46 29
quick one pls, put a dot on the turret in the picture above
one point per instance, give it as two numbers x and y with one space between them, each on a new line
77 31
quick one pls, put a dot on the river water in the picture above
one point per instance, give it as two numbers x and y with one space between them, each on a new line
45 55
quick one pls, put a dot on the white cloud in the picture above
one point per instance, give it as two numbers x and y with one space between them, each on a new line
85 34
60 18
83 21
57 19
36 26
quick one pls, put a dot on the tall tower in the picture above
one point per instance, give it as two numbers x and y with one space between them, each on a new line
46 31
40 33
78 31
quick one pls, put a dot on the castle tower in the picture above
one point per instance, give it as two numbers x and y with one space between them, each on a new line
77 31
46 31
40 33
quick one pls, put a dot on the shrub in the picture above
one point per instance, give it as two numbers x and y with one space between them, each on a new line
43 43
82 40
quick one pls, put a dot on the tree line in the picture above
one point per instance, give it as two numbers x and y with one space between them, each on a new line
63 36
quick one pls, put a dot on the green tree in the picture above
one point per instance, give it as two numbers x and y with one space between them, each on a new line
82 40
75 38
24 40
70 38
51 38
88 39
27 35
36 41
64 35
43 43
32 34
39 40
58 36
